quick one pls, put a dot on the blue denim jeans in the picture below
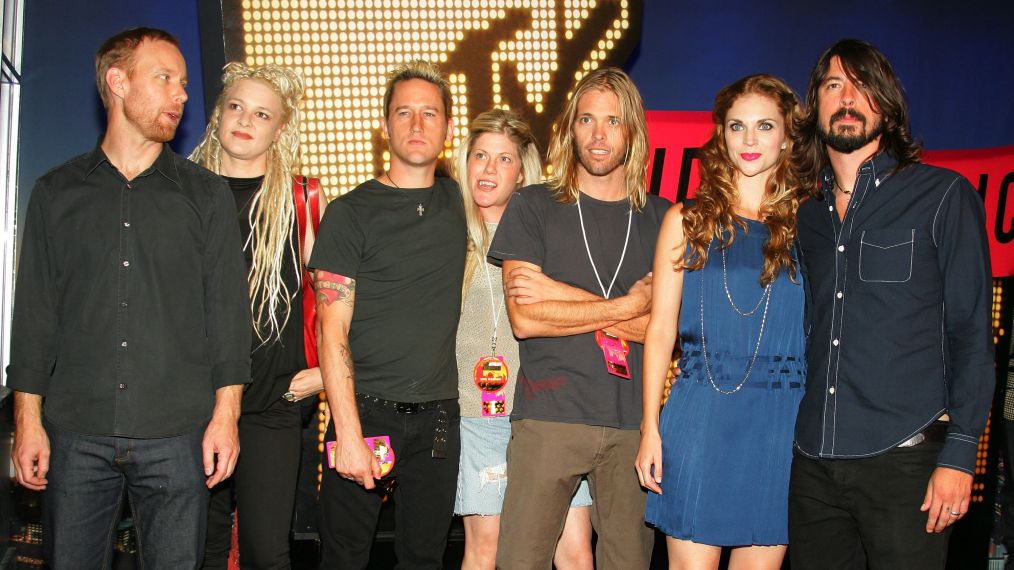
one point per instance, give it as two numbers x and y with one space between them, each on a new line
164 482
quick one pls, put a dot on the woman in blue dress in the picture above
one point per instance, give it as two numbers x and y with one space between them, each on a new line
717 461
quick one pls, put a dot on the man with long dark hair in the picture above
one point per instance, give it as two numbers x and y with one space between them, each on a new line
899 353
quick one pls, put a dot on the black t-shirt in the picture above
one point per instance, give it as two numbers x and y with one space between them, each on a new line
274 363
408 269
564 378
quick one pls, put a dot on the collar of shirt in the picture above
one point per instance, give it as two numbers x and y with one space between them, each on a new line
879 164
164 164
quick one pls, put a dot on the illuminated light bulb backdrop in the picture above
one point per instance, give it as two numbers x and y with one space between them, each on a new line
517 54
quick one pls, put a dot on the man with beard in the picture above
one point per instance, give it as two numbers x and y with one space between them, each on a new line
576 256
896 265
131 336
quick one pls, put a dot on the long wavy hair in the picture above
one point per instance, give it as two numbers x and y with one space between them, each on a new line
272 210
711 218
497 121
868 68
562 154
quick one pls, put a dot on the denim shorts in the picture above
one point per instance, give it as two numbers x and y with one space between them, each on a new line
482 476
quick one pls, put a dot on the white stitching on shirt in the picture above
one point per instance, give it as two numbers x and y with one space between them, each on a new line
937 213
911 257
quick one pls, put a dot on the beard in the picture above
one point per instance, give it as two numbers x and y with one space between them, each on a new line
598 168
850 139
150 122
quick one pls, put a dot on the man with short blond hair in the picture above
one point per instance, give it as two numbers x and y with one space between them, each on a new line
389 261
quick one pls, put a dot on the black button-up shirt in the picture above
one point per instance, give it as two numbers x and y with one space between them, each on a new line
898 305
131 306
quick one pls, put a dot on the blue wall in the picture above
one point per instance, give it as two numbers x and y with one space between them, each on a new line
956 60
61 113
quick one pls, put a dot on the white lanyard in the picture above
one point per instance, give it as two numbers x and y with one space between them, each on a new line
492 304
630 218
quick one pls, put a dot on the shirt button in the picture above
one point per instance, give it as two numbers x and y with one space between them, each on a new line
126 263
835 342
831 390
126 224
838 294
123 344
841 248
122 386
876 182
830 208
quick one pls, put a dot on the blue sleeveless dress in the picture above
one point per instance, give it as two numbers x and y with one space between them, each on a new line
726 456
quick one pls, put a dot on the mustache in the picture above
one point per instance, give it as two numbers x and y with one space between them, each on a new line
843 113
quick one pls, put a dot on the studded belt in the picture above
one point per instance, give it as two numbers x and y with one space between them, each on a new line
439 430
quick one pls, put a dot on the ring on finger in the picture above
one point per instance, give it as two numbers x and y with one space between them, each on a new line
955 513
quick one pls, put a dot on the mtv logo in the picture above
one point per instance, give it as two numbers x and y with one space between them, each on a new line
526 55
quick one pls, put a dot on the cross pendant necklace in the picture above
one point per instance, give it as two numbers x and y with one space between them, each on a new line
419 207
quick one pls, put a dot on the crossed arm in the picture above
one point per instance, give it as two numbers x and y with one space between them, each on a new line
335 301
540 306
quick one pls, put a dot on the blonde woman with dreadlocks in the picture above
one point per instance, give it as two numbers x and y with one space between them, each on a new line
252 140
727 280
498 156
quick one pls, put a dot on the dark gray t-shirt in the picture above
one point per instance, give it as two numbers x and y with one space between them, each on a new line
408 270
564 379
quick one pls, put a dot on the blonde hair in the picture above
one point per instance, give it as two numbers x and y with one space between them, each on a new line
562 153
496 121
417 69
711 216
272 212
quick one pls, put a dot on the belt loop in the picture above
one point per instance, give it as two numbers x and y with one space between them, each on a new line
440 434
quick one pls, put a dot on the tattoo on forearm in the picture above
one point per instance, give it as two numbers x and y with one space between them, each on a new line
346 356
331 287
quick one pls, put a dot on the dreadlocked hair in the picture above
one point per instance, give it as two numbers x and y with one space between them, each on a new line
272 212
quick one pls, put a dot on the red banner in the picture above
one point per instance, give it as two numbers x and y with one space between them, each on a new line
676 136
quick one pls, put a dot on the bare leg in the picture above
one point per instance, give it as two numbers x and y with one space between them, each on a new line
757 557
481 535
686 555
574 551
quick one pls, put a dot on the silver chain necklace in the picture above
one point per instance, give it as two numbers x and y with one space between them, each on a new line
728 295
766 297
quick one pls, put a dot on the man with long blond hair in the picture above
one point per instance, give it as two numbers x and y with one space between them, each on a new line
576 257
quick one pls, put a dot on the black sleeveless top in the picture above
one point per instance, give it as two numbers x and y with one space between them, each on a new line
274 363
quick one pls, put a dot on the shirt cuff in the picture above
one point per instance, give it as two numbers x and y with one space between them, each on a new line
23 379
959 453
230 373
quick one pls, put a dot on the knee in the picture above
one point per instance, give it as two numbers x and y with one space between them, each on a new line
571 555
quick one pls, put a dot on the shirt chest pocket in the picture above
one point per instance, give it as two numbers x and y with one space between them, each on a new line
886 256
